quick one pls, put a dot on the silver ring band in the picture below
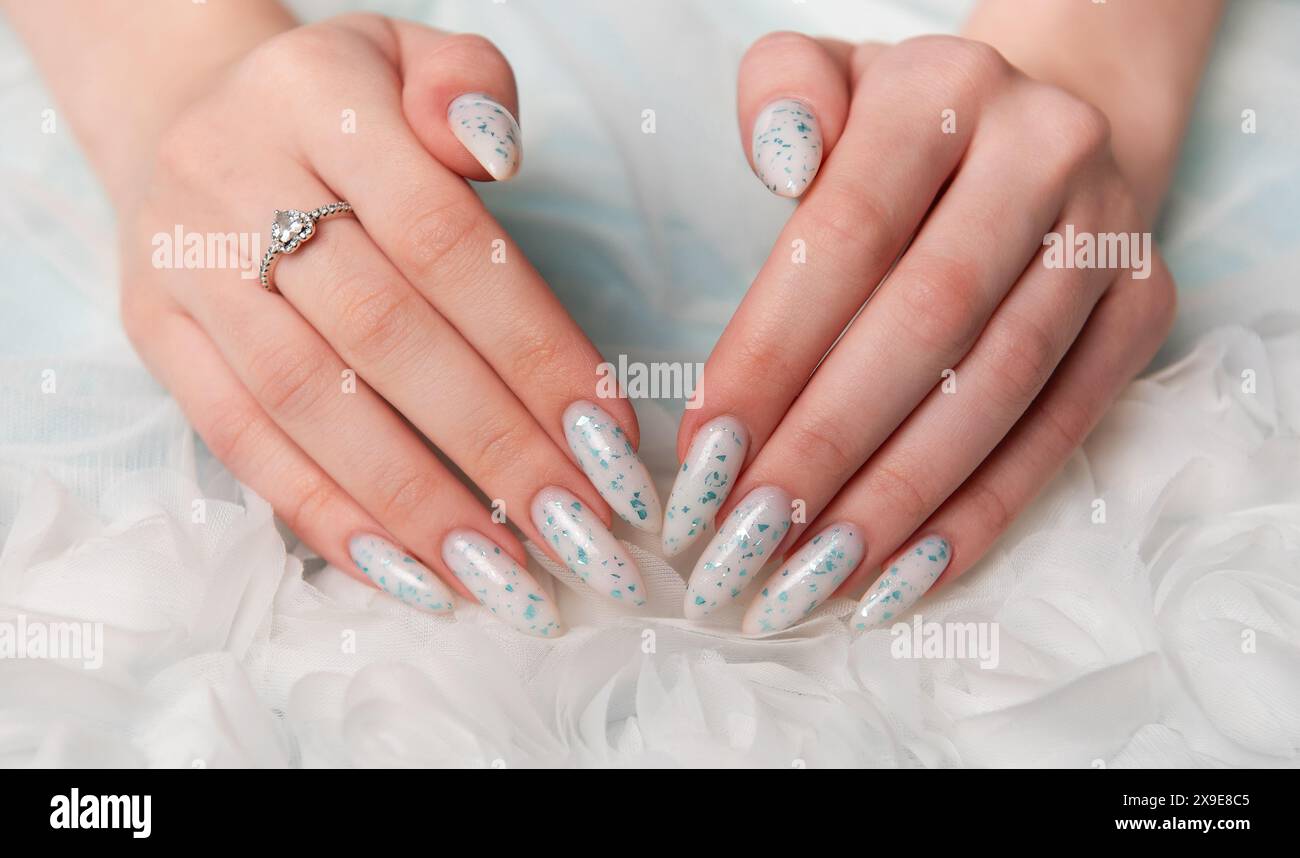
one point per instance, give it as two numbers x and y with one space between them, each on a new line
290 230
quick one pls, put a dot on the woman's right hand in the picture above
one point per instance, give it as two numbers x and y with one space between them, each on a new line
417 318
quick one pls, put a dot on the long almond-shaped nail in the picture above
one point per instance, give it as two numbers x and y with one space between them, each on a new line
806 580
704 481
903 583
743 544
399 574
787 147
499 583
589 550
489 132
607 457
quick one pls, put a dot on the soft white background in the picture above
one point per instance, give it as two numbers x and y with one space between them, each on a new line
1120 643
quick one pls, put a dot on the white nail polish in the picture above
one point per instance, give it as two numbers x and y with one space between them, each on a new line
743 544
607 457
704 481
903 583
787 149
590 551
499 583
489 132
806 580
399 574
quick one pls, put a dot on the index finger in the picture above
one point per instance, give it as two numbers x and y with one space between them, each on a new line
438 234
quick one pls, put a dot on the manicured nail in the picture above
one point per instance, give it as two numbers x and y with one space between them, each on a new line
744 543
787 147
586 547
612 465
903 583
489 132
806 580
500 584
704 481
399 574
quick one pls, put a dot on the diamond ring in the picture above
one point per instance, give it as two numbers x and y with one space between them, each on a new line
290 229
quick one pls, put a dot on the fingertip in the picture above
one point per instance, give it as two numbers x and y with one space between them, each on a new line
793 97
459 97
489 132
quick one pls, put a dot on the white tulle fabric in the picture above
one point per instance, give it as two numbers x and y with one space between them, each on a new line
1120 643
1169 635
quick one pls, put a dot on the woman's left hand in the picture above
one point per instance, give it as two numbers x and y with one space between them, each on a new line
978 366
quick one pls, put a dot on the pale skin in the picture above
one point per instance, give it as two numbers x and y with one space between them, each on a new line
213 115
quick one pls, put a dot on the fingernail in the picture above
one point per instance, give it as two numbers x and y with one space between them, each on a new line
787 147
399 574
808 579
489 132
903 583
499 583
589 550
607 457
743 544
704 481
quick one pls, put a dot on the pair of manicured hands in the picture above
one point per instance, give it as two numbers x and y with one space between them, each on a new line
955 394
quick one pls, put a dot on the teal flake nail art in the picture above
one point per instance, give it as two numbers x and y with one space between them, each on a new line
787 147
489 132
807 580
703 482
591 552
500 584
607 458
399 574
744 544
905 581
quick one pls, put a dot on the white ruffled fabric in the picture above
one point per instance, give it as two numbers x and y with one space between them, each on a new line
1167 636
1123 643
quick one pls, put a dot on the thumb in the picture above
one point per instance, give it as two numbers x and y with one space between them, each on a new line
458 94
793 98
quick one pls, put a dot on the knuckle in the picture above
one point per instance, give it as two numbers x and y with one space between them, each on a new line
534 351
292 57
988 506
901 488
763 356
408 494
958 69
500 448
379 320
311 497
288 379
1023 356
938 303
1079 131
229 428
840 225
1070 420
432 237
823 446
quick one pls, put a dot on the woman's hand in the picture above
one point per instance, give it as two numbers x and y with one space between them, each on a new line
977 367
416 319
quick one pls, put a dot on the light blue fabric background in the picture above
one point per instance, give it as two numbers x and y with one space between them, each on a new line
652 239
